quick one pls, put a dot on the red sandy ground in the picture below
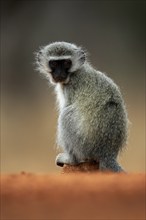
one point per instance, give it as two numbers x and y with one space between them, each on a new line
73 196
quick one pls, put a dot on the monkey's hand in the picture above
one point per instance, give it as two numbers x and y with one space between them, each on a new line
64 158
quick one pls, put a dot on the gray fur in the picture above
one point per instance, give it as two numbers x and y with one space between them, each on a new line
92 124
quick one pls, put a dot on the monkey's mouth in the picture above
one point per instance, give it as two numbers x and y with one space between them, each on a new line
60 79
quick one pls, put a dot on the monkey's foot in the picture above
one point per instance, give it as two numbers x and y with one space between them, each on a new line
64 158
110 166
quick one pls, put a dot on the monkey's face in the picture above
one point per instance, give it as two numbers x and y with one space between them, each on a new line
60 70
59 61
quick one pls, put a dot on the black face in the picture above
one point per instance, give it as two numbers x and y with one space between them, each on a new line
60 69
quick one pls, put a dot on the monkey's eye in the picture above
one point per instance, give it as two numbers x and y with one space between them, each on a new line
67 64
53 63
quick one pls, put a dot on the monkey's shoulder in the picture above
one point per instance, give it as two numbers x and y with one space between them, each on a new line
97 86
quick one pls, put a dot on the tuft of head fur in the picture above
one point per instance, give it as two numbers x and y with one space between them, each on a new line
58 51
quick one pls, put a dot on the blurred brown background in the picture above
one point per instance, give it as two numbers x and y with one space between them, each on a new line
114 34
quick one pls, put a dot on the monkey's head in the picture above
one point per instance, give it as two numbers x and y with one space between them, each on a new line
60 60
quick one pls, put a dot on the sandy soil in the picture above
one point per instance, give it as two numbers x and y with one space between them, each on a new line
73 196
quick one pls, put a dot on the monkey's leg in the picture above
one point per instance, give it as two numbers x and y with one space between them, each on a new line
65 158
111 165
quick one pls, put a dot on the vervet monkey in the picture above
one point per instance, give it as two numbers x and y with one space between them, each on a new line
92 123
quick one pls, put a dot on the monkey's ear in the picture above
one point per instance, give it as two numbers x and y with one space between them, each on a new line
38 61
38 56
82 56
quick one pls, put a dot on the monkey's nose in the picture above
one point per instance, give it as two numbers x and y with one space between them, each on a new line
59 76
